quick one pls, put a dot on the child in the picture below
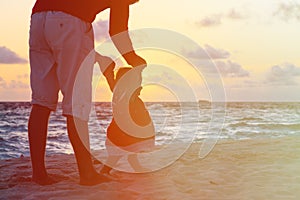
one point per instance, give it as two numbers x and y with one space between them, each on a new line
118 141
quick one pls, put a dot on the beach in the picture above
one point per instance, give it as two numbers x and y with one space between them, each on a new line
244 169
213 84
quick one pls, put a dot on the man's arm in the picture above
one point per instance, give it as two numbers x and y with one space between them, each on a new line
118 30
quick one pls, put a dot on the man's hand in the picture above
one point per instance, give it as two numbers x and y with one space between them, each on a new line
134 60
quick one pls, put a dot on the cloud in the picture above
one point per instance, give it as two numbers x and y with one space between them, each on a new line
278 75
217 19
101 29
231 69
2 83
287 11
251 83
13 84
283 74
23 76
9 57
233 14
208 52
208 58
16 84
209 21
216 53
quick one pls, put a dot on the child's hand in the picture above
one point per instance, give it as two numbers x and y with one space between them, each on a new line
106 63
107 66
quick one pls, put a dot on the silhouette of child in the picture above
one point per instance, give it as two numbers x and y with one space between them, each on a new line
118 140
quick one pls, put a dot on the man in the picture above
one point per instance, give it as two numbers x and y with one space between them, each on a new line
61 37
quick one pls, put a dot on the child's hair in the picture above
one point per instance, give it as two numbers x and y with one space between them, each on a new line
121 72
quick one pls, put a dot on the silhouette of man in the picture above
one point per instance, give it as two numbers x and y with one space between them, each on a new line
61 36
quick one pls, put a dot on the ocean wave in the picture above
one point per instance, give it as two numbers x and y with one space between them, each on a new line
250 119
154 106
57 137
239 124
14 128
291 127
269 127
243 120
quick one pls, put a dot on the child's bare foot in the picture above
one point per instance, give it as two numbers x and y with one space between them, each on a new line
94 179
105 169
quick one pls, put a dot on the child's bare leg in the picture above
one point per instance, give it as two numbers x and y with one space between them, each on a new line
111 161
135 163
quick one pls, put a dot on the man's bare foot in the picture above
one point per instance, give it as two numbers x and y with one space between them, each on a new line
94 179
46 180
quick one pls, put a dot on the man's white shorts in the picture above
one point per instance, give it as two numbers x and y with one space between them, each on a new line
59 43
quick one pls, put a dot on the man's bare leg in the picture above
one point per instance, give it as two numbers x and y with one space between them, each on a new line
37 134
87 172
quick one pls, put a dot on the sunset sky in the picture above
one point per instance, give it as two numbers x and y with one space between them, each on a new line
254 43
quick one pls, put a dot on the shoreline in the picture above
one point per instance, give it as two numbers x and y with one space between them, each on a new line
247 169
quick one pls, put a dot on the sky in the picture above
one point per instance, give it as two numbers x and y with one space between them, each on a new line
254 44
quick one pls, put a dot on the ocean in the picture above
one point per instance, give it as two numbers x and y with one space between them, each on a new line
235 121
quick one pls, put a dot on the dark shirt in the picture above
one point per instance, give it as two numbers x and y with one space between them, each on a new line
140 116
83 9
